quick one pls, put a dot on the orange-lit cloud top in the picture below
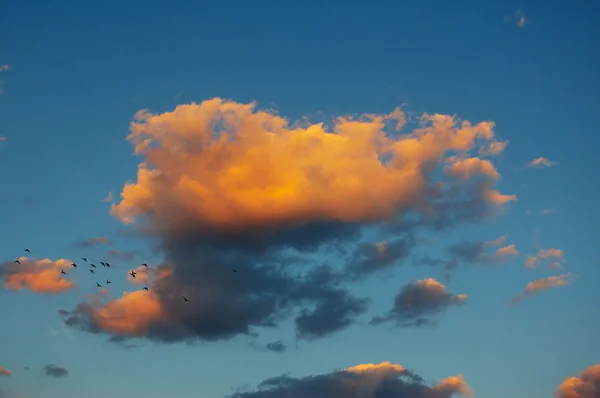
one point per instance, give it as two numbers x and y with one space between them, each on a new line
544 254
493 149
223 165
146 276
130 315
587 385
543 284
360 381
39 276
541 162
4 372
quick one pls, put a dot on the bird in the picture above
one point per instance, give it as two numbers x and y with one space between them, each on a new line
92 265
91 271
145 288
133 273
103 263
62 271
84 259
234 270
27 250
184 299
98 285
145 265
74 265
17 261
108 282
107 264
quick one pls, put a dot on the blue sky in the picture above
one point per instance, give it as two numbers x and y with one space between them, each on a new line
79 72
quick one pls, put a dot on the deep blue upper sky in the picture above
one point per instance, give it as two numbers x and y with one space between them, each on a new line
79 71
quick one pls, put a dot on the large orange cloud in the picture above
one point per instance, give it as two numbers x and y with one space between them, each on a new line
225 186
360 381
587 385
258 170
39 276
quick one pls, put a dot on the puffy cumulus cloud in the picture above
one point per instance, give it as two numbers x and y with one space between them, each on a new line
554 257
384 380
4 372
55 371
101 240
587 385
39 276
543 284
541 162
225 186
419 302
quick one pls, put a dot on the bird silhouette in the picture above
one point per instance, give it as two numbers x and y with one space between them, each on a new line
98 285
27 250
234 270
108 282
62 271
74 265
107 264
145 288
184 299
17 261
133 274
103 263
84 259
91 271
92 265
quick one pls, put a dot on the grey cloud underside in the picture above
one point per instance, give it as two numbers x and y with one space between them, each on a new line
276 346
55 371
415 306
273 280
345 385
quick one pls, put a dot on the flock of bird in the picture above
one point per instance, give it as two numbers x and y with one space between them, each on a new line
105 265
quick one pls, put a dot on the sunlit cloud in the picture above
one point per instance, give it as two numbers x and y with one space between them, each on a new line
543 284
533 261
109 198
541 162
587 385
39 276
5 372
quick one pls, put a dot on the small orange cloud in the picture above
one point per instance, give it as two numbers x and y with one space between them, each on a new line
494 148
454 385
587 385
383 367
545 254
543 284
541 162
509 250
4 372
39 276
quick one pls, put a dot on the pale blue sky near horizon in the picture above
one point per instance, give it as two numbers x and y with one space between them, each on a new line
80 71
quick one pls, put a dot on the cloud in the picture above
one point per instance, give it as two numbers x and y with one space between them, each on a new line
2 140
39 276
587 385
541 162
126 255
480 252
4 372
542 212
55 371
546 254
93 242
518 18
225 186
362 381
276 346
542 284
5 67
109 198
494 148
418 302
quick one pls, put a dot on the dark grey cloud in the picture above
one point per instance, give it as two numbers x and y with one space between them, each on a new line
380 381
55 371
93 242
418 303
276 346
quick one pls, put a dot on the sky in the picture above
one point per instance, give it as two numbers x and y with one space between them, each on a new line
368 199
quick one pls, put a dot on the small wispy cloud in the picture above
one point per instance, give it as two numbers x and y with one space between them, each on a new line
541 162
543 284
55 371
543 212
2 139
93 242
518 18
109 198
5 67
